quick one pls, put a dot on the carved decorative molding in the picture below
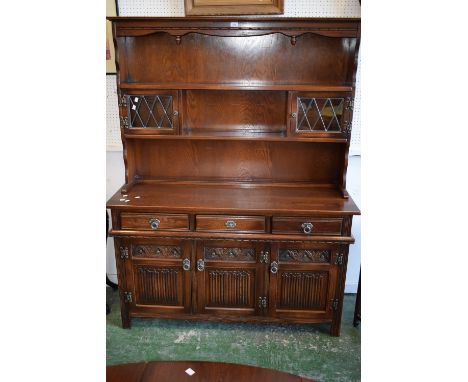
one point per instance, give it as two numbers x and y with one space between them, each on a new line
305 255
160 251
229 254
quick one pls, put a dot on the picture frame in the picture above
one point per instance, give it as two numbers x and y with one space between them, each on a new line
111 10
233 7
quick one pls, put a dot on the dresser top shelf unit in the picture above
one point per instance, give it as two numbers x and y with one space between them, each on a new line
236 99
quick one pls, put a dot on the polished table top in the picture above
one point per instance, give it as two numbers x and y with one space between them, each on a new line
179 371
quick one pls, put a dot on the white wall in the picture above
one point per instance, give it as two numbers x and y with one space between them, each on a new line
353 184
115 179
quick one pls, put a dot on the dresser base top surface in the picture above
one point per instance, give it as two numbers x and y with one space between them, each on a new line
234 198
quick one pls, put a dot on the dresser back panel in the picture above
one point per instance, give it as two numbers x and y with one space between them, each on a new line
234 111
237 160
268 59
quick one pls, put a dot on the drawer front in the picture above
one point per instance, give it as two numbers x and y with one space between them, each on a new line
226 223
307 226
155 222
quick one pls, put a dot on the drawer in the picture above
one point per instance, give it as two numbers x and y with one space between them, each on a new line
307 226
227 223
154 222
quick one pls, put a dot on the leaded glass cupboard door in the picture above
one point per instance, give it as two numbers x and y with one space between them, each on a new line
144 112
320 114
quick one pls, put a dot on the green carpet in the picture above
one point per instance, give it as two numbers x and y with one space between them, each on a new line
306 350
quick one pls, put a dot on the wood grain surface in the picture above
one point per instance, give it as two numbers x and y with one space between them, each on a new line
170 371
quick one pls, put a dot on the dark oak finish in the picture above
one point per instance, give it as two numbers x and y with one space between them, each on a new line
232 279
230 223
304 283
170 371
299 225
156 277
154 221
236 135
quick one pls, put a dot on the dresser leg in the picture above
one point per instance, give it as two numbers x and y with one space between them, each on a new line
126 323
125 317
335 328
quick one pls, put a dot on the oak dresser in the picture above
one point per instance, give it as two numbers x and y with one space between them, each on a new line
236 134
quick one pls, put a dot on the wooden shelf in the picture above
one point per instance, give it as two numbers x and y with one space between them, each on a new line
235 136
238 198
233 86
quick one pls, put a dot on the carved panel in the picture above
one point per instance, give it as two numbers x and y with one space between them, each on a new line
230 288
319 114
303 290
157 286
150 111
158 251
229 254
305 255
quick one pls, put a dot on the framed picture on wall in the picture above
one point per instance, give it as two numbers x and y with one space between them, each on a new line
111 10
233 7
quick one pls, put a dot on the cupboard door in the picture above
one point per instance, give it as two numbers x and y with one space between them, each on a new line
302 280
160 275
230 277
315 114
150 112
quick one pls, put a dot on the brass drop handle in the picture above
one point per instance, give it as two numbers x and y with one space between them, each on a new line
307 228
186 264
230 224
200 265
293 115
274 267
154 223
175 113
